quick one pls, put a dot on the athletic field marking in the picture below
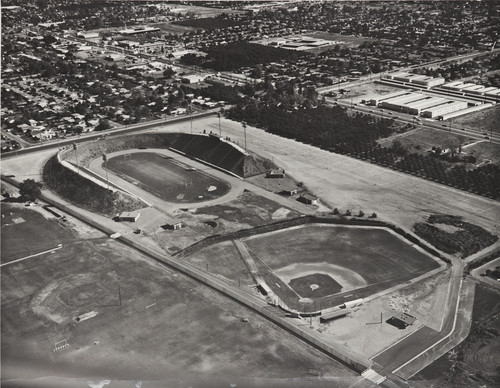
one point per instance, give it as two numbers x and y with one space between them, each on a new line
34 255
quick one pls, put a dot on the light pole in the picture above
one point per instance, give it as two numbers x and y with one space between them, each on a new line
218 115
76 157
191 116
244 124
105 159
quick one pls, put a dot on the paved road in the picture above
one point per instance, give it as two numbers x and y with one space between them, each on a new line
115 132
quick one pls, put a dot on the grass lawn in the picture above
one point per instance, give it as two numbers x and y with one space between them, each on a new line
375 254
167 178
26 232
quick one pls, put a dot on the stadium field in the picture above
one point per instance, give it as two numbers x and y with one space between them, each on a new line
167 178
361 261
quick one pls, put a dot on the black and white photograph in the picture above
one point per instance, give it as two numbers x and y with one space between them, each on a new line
250 194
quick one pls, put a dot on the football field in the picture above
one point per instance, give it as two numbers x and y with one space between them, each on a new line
166 177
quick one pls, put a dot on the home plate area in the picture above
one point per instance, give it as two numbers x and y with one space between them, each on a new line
315 280
315 286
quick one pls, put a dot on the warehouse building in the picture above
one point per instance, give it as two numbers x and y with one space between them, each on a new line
398 103
440 110
416 79
415 108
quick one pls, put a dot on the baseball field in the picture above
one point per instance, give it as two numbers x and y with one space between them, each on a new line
21 232
97 309
167 178
318 261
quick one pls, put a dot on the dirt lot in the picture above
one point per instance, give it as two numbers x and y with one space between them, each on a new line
348 183
475 361
369 90
483 120
189 330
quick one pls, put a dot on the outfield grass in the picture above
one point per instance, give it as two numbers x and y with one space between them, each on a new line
167 178
382 259
26 232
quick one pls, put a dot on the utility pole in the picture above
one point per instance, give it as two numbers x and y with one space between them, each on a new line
244 124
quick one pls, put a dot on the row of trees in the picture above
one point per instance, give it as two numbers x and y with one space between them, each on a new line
237 55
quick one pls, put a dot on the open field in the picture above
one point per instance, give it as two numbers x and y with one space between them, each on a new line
346 262
188 330
167 178
21 232
475 361
484 120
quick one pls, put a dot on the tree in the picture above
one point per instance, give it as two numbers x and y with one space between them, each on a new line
30 190
168 72
103 125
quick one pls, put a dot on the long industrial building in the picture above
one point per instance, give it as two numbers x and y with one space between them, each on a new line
440 110
415 79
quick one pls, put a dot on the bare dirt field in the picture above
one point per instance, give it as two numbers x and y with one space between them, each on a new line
188 330
484 120
367 90
348 183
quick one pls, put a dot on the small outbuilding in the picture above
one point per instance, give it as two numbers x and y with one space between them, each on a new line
275 173
308 199
129 216
401 321
174 226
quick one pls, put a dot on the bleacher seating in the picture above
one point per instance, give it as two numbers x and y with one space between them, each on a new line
211 150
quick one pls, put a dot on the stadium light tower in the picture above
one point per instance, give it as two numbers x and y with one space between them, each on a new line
244 124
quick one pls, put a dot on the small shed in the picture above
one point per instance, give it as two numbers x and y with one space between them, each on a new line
401 321
308 199
129 216
275 173
174 226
